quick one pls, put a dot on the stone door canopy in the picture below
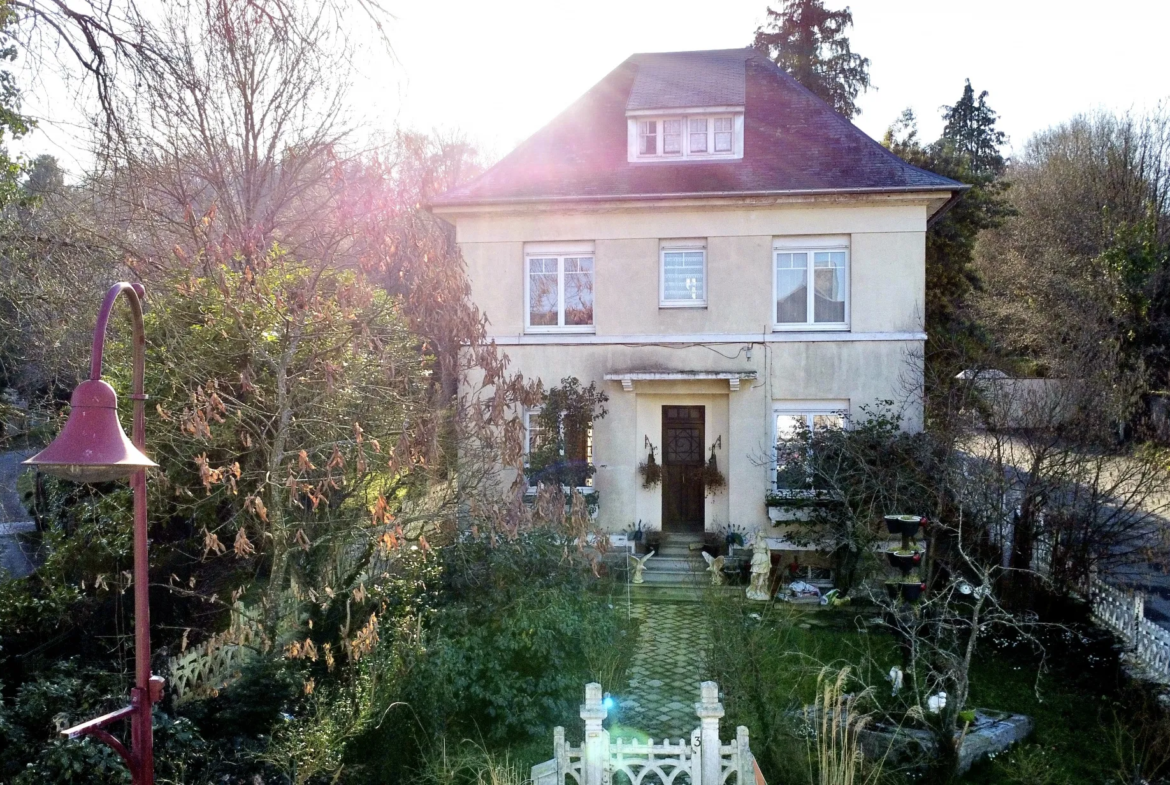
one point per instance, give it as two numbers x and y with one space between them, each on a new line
627 378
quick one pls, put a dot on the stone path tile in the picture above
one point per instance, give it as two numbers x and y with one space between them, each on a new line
665 673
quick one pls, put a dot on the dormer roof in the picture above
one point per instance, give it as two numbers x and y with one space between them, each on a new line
793 142
684 80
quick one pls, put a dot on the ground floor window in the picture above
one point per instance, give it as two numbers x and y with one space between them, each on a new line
548 455
793 426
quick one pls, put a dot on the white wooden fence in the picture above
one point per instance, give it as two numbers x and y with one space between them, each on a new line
704 760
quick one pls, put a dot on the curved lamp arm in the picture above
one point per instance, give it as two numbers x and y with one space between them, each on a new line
135 294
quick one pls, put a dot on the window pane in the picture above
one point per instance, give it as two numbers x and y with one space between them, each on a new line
579 290
699 135
542 292
791 288
533 420
682 275
722 134
790 471
829 291
648 137
672 137
823 421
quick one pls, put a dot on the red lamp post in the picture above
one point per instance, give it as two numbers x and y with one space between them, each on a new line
92 447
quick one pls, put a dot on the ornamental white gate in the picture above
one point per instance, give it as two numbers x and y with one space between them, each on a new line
705 760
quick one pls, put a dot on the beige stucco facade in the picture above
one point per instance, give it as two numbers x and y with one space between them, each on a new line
878 357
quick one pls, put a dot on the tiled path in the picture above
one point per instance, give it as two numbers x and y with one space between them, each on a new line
666 671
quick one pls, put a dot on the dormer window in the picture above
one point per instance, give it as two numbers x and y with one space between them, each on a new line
695 134
648 137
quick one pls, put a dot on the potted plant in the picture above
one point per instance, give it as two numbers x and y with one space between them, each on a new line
912 589
650 470
637 535
905 525
905 560
733 535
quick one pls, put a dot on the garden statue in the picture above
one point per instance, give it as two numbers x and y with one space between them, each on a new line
639 565
715 567
758 589
895 679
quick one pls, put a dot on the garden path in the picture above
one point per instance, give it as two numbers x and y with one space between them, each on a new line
664 675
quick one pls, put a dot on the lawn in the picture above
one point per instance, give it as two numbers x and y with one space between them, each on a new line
1073 688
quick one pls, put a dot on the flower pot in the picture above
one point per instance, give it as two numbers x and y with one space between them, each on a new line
904 560
905 525
912 591
892 589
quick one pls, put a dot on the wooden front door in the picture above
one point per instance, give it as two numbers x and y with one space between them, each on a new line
682 469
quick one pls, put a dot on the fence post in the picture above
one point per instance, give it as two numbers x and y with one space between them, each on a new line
744 753
560 754
595 750
710 710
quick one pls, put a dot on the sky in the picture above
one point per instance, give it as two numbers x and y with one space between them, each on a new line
498 71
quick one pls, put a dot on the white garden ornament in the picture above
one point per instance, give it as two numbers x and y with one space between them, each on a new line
639 565
895 679
758 589
715 567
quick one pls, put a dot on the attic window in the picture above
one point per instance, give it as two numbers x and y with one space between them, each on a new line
694 134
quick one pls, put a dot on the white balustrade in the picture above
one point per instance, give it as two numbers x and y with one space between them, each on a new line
600 761
1124 614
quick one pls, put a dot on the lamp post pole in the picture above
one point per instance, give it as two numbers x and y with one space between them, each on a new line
92 447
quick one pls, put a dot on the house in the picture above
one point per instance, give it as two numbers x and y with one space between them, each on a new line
723 253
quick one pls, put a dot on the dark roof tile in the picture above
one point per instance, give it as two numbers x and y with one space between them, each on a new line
793 143
679 80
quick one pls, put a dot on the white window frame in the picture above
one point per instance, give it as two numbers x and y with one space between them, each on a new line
810 246
668 246
560 252
528 415
684 117
808 410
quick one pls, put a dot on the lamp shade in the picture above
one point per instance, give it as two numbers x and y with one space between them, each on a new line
92 447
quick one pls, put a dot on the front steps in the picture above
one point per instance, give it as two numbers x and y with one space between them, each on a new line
676 563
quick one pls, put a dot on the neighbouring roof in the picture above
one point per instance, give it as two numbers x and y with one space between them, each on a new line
793 141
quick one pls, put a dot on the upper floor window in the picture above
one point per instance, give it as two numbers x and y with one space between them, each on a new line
695 134
811 282
684 274
558 288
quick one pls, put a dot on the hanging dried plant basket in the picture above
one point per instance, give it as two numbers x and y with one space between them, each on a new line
651 471
713 479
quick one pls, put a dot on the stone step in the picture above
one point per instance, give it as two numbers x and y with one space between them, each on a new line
690 593
673 577
674 563
672 549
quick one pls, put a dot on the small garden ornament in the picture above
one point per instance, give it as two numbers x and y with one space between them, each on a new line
895 679
639 565
715 567
758 589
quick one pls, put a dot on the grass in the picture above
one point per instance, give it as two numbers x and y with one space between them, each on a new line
1076 693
